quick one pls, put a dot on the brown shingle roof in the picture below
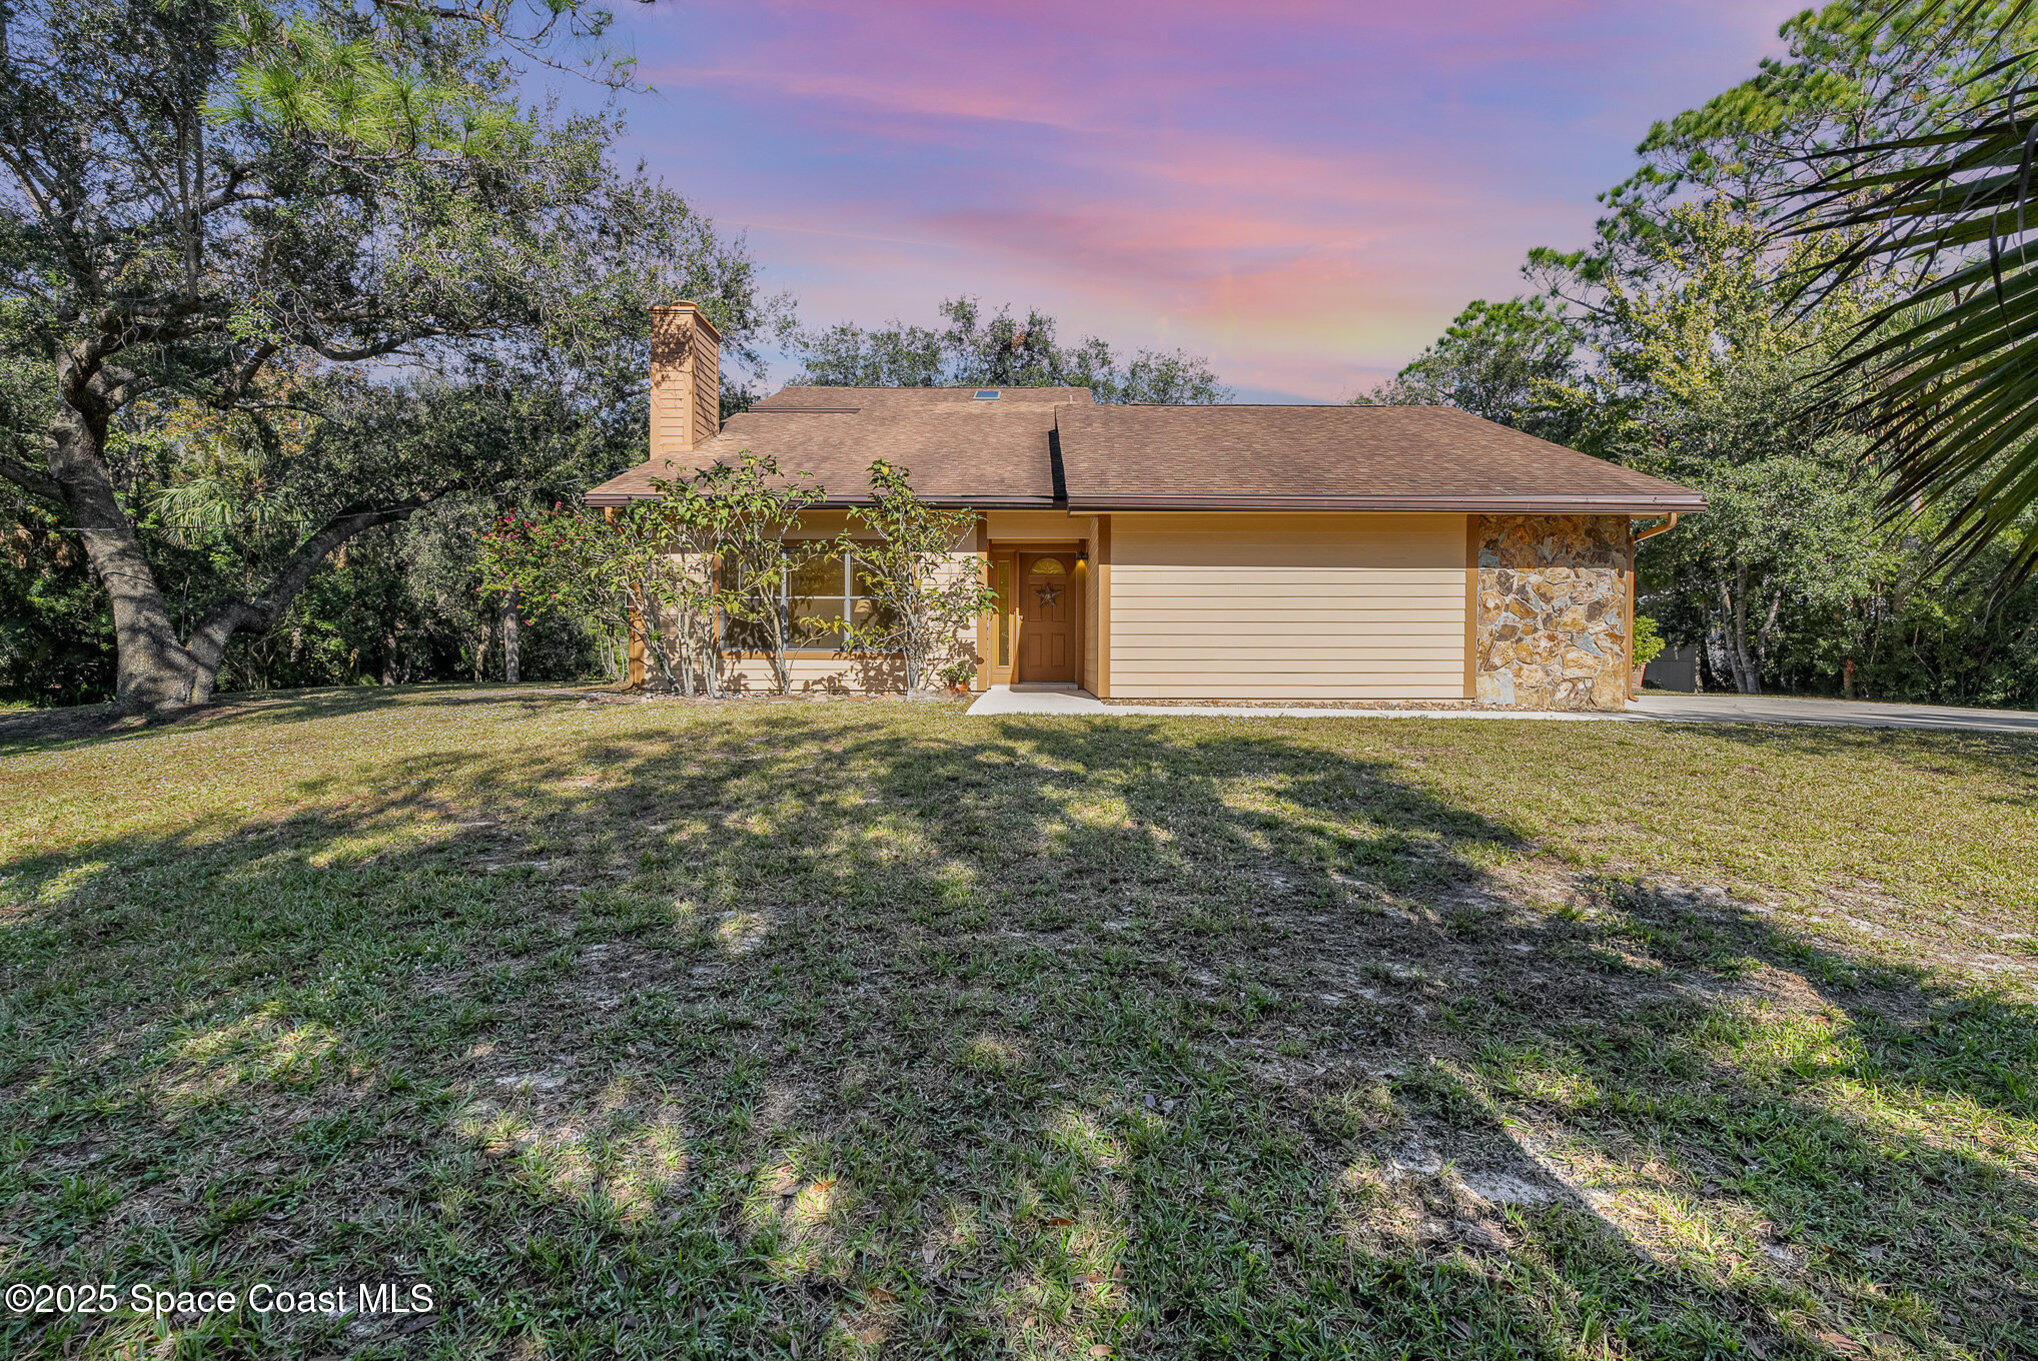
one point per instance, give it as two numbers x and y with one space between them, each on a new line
1337 457
959 450
1053 446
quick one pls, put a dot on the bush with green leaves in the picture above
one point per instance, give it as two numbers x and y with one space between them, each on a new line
707 558
1648 642
610 566
742 519
918 569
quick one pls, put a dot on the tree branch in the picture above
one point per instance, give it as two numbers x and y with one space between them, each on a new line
222 621
375 350
243 375
30 480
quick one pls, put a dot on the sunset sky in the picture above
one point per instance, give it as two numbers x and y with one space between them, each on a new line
1304 192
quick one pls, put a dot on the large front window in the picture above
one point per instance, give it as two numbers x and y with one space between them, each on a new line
813 599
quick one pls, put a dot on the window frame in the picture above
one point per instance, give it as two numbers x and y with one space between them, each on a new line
846 599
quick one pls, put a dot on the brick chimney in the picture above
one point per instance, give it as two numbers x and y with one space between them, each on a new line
686 379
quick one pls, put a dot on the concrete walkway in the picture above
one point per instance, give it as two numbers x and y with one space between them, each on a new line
1653 707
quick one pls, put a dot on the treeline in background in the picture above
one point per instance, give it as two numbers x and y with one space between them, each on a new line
324 299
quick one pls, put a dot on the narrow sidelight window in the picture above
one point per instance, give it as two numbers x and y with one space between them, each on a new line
1004 612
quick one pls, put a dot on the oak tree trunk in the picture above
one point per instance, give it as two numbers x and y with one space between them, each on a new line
509 637
153 670
1746 669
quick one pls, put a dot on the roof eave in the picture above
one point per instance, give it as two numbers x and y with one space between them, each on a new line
1624 504
601 499
1479 505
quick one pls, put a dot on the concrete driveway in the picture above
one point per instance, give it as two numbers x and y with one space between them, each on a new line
1657 707
1830 713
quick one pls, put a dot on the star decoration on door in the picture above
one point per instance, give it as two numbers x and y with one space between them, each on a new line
1047 594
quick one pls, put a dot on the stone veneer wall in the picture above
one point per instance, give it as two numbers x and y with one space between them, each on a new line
1553 611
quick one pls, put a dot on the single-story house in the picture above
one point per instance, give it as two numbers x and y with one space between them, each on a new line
1291 553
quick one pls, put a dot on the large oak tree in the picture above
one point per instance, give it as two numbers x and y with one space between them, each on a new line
236 202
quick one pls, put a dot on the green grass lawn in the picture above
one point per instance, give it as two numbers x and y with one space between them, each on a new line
849 1029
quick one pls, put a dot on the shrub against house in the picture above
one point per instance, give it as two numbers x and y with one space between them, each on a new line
1146 552
721 567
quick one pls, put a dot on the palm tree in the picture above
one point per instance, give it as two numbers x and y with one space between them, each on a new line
1943 373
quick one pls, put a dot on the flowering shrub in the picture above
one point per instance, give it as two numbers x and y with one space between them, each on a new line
921 608
713 547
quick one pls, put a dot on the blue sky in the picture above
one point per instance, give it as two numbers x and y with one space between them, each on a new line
1304 192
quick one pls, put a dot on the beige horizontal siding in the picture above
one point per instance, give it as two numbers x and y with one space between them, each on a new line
1362 585
816 673
1278 624
1287 606
1394 662
1386 688
1036 526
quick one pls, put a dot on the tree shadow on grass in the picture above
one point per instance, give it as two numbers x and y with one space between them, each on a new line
1846 1143
94 724
818 1032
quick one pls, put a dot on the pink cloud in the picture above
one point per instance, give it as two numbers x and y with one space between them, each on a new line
932 96
1304 190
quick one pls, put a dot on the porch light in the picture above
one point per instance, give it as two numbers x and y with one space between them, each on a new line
1082 557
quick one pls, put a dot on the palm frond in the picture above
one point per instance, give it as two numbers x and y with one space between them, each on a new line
1942 376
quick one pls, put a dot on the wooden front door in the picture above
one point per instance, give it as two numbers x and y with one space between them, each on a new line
1047 617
